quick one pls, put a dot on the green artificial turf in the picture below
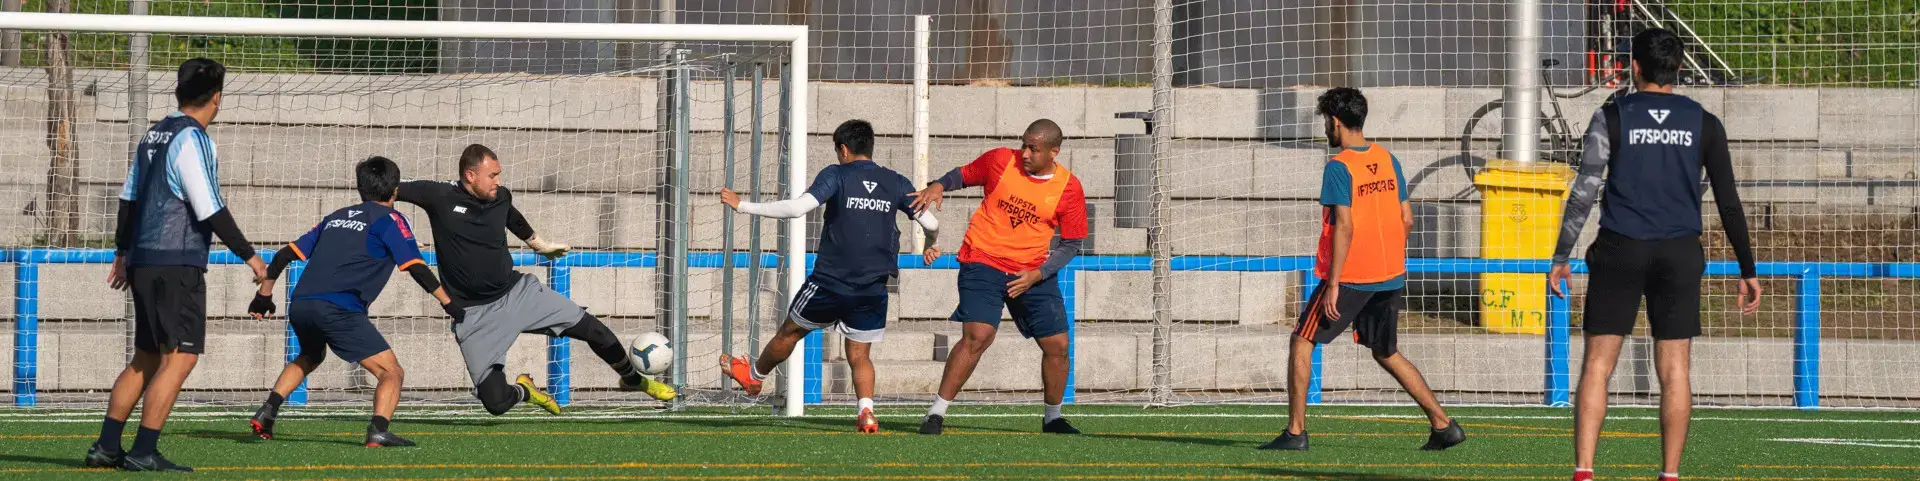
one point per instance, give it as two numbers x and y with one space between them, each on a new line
1124 443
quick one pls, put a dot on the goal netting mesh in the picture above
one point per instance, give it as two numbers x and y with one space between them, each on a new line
1820 100
587 133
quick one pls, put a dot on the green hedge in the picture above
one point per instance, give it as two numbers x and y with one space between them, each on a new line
254 52
1866 43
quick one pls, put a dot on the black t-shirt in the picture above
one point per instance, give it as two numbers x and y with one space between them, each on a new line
470 237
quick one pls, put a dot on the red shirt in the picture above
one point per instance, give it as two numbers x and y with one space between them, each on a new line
1015 224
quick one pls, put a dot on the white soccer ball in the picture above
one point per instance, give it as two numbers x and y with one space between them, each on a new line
654 352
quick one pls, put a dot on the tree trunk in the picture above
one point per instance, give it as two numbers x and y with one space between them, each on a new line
63 175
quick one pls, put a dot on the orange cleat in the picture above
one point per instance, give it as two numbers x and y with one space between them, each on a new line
741 370
866 423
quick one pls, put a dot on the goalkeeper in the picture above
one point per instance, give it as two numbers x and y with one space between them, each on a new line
470 219
348 255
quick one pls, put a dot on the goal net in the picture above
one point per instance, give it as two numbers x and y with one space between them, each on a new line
614 139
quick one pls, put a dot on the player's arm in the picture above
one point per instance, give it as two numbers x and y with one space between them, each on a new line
195 169
1071 216
1336 194
396 235
928 225
1406 197
1586 189
825 186
124 223
1718 163
981 172
518 225
423 193
262 305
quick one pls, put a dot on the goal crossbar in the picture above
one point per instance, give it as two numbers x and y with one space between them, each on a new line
795 36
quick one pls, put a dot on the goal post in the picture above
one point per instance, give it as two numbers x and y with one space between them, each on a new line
792 39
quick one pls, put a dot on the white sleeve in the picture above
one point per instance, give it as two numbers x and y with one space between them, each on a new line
195 174
786 209
927 222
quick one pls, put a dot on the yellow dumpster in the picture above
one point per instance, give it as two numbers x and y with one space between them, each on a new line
1519 219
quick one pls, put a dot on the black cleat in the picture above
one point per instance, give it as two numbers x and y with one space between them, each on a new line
152 462
262 421
933 424
1058 426
386 439
1441 439
98 457
1288 442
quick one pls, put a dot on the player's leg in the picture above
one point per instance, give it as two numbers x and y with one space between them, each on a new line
811 310
1377 327
107 450
386 370
304 317
863 325
182 326
1616 282
608 347
483 346
1673 315
1040 314
1315 327
983 291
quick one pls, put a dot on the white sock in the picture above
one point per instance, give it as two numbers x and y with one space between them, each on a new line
757 375
1053 412
939 407
1583 470
866 403
1669 475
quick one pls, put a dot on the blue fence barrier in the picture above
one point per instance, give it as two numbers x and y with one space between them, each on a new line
1556 376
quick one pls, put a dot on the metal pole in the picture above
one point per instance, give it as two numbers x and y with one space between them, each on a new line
922 97
793 232
726 221
1521 111
663 275
10 39
137 106
753 229
683 142
1157 239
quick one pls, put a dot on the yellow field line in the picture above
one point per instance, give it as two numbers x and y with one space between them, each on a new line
1862 466
1180 477
785 433
1566 431
895 465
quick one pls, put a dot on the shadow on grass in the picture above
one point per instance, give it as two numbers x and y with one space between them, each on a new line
46 462
1193 440
1298 473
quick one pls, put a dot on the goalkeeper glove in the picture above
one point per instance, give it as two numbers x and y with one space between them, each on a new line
261 307
551 250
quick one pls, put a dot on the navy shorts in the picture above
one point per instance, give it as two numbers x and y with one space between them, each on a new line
320 324
1040 312
860 318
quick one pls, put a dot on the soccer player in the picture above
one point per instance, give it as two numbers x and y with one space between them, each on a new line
1650 147
1005 262
1362 266
170 207
348 256
847 290
470 219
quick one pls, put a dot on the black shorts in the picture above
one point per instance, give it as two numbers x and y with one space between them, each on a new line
169 308
320 324
1374 315
1666 272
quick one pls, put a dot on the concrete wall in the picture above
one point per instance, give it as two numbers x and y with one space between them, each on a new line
581 154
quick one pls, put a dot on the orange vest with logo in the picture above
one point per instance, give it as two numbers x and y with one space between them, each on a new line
1379 249
1014 226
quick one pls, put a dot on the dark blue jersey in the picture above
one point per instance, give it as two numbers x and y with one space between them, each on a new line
352 252
859 243
172 182
1654 185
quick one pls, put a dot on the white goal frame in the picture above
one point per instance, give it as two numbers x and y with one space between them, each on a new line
795 36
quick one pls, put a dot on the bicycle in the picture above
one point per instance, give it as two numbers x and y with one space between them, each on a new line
1558 141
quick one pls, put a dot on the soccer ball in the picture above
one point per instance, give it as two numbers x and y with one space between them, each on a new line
654 352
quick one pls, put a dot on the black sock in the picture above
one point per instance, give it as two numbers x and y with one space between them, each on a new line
145 442
110 431
378 424
274 400
525 395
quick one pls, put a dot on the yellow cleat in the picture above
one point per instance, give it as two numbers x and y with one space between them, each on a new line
660 390
537 397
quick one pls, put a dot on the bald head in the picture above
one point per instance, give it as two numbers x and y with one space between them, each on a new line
1044 133
1039 145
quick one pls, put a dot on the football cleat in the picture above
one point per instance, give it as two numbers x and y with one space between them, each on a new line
152 462
934 424
537 397
1287 442
386 439
98 457
1441 439
262 421
1058 426
659 390
741 370
866 423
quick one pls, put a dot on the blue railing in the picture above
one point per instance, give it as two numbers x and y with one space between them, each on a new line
1556 373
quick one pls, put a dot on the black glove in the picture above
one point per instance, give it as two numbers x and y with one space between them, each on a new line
262 306
458 314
